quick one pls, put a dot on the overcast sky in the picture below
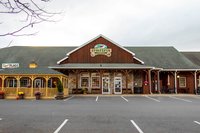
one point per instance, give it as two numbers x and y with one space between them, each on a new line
126 22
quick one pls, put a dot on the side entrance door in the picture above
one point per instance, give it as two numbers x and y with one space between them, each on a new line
118 85
105 85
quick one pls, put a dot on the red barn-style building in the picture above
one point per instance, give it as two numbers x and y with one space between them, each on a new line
102 66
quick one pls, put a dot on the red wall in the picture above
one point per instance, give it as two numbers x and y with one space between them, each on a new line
118 54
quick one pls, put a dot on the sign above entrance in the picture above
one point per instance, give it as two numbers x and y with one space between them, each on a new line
100 49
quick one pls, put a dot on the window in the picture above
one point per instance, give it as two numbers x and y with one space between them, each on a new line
24 82
11 82
182 82
198 81
84 80
50 83
95 80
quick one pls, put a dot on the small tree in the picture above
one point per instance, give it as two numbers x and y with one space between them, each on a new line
59 86
60 94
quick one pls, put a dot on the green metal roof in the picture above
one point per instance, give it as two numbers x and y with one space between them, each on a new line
161 57
44 71
193 56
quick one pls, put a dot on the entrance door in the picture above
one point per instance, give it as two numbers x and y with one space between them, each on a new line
105 85
118 85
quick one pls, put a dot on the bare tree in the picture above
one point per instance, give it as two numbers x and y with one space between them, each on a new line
31 10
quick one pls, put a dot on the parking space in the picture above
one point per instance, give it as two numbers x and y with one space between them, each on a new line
100 114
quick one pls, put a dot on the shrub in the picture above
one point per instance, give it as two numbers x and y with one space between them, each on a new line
59 86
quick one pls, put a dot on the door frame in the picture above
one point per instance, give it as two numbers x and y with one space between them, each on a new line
108 85
120 79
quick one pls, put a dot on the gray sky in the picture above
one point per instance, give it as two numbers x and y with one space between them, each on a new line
127 22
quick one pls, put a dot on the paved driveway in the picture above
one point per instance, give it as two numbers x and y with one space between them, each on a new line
102 114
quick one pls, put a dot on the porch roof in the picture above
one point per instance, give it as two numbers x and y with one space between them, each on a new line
34 71
101 66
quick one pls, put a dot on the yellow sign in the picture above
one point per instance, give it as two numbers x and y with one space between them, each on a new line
100 49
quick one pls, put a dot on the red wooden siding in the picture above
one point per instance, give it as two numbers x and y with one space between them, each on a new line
118 55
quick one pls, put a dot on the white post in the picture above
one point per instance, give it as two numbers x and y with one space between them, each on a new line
158 81
175 81
150 82
195 82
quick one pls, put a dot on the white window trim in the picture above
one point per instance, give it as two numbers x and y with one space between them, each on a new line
13 80
99 81
198 81
184 80
88 81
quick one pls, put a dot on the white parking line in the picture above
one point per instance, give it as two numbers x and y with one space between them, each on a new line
136 126
58 129
68 98
0 119
152 98
124 98
180 99
97 98
197 122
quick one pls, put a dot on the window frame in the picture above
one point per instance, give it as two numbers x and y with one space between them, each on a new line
82 76
185 82
95 75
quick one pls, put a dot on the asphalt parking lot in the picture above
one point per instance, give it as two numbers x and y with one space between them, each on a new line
102 114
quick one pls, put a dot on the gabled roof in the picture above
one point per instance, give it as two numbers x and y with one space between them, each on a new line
97 38
58 62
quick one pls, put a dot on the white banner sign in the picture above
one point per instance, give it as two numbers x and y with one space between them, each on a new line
10 65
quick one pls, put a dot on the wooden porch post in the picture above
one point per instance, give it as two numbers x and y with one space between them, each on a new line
18 83
3 78
46 86
32 91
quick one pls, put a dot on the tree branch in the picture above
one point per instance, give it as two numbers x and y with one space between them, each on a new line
32 12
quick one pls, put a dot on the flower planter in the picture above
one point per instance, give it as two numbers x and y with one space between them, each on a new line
21 96
60 96
37 97
2 96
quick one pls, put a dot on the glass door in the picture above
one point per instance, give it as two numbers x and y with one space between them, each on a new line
105 85
118 85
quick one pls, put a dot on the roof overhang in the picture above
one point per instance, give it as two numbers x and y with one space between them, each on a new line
174 70
101 66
